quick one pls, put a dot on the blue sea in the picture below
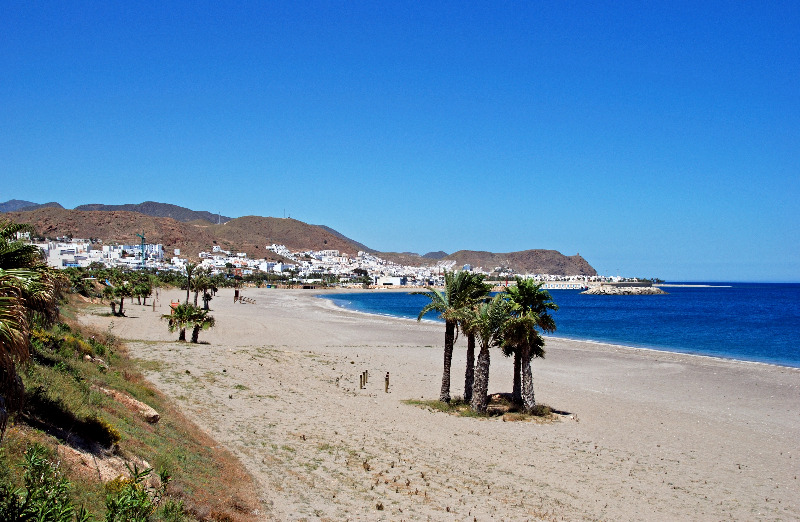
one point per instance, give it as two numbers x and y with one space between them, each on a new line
745 321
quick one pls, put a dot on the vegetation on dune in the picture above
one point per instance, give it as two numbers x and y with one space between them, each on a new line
29 293
72 422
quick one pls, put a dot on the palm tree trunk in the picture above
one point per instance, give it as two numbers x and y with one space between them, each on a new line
195 298
449 340
195 333
481 386
528 399
121 302
516 393
469 376
182 335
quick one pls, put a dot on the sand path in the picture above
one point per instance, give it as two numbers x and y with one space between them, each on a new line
650 435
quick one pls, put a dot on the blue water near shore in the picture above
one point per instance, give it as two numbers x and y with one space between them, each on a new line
746 321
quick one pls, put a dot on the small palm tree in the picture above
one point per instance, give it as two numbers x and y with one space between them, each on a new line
190 268
200 321
122 291
179 319
201 283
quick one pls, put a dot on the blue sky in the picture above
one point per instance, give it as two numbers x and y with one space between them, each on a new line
656 140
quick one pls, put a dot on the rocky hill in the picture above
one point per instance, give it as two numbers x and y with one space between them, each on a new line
251 234
526 261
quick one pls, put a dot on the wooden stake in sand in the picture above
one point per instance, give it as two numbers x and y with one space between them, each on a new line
361 381
386 384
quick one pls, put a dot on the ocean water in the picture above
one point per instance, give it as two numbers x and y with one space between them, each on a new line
745 321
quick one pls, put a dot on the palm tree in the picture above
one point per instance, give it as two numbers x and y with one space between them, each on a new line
122 291
190 267
479 293
201 283
487 322
200 321
180 317
29 293
460 291
531 314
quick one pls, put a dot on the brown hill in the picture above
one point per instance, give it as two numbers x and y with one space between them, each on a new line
526 262
248 234
255 232
251 234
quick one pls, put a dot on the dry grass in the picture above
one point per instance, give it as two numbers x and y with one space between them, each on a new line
500 406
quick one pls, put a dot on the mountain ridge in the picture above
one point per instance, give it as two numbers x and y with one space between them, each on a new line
251 234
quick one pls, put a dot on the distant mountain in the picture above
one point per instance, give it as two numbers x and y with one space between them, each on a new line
152 208
17 205
13 205
526 261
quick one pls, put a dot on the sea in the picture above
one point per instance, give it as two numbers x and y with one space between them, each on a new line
757 322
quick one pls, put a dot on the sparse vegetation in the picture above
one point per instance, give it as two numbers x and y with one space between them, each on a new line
66 415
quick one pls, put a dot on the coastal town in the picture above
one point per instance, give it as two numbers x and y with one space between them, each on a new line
305 267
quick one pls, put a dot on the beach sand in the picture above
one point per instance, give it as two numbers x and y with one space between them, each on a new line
647 436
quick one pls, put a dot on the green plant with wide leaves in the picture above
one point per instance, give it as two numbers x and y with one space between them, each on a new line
29 293
179 319
461 290
200 320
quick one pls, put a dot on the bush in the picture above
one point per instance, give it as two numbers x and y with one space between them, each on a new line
45 495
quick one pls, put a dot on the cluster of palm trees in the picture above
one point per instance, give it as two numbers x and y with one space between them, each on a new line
29 295
200 281
512 320
129 285
187 314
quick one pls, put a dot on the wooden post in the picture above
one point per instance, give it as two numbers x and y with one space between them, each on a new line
386 384
361 381
366 376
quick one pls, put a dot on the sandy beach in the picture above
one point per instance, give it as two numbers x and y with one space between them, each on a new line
646 435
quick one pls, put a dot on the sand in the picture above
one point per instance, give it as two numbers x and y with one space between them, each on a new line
646 435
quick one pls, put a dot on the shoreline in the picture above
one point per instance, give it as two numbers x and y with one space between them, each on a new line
675 351
649 435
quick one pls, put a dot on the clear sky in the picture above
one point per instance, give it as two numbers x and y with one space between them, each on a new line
654 138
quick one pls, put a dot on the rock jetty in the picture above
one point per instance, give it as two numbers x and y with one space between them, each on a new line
624 290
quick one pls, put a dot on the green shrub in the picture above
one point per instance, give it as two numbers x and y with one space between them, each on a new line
45 495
